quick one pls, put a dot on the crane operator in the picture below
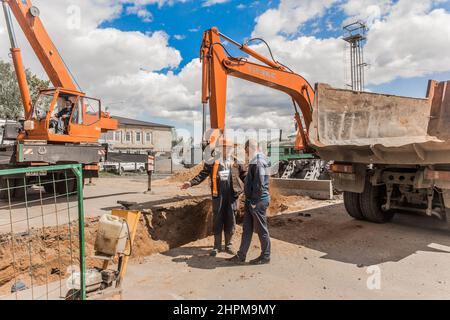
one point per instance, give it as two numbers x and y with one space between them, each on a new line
60 121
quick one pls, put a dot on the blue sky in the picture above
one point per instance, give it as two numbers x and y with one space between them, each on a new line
234 18
190 19
185 22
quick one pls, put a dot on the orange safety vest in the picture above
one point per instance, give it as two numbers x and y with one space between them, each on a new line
215 171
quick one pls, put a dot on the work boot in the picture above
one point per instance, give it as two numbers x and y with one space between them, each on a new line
236 260
260 260
217 245
229 244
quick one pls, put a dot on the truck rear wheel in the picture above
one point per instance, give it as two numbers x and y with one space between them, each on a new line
21 187
352 205
60 185
66 186
371 201
3 189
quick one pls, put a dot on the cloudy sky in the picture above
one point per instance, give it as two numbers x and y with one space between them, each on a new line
141 57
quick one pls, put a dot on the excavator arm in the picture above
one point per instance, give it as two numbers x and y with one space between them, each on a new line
217 65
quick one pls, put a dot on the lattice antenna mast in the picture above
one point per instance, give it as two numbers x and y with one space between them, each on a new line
355 36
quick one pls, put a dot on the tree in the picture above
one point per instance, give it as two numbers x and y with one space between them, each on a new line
10 101
176 140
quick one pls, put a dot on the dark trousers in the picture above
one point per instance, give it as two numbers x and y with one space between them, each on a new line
224 219
255 219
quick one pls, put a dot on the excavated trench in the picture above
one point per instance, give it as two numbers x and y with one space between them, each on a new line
161 228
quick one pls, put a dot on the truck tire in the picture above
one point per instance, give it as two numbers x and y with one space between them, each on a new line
60 186
64 188
352 205
20 189
371 201
12 184
3 193
48 187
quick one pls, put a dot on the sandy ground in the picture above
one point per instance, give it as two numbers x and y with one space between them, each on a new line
325 256
318 252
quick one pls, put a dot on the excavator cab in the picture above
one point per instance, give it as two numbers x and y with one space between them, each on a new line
61 115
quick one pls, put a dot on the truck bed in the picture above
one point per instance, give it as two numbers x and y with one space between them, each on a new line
366 127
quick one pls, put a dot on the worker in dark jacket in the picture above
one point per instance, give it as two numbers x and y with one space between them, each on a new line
60 122
227 177
256 203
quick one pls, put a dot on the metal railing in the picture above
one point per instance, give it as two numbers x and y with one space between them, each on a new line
42 233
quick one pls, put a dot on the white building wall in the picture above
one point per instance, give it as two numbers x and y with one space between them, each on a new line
160 139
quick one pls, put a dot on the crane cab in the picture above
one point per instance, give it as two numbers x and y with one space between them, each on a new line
66 116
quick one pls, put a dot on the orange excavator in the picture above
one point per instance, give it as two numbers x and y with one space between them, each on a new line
218 64
63 125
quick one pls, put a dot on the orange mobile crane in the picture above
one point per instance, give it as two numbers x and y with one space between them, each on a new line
36 142
218 64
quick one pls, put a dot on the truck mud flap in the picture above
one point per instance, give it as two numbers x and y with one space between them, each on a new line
315 189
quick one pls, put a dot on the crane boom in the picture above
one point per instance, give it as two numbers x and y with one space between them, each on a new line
217 66
28 19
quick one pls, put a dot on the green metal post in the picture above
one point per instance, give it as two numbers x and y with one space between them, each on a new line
79 174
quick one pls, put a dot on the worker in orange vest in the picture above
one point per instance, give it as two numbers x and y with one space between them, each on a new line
227 176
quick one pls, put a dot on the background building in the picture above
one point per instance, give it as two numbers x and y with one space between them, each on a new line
135 136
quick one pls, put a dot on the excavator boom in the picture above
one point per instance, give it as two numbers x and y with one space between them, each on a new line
218 65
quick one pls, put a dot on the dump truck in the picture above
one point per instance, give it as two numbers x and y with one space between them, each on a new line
390 153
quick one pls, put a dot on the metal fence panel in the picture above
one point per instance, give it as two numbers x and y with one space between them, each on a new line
41 233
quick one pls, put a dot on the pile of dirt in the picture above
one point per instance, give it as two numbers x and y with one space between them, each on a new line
186 174
160 229
278 202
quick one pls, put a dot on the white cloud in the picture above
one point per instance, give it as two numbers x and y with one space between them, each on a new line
289 16
366 10
209 3
179 37
141 12
412 40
